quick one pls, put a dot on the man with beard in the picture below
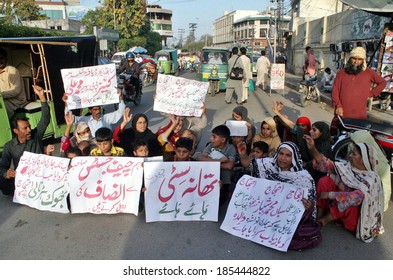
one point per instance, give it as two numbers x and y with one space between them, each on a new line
25 139
354 85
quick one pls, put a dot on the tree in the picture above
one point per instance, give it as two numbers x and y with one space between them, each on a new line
128 16
94 18
21 10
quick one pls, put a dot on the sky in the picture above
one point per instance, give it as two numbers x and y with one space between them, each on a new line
201 12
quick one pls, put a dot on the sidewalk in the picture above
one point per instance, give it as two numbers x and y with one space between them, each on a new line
376 115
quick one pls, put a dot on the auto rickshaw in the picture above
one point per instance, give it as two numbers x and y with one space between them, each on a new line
39 61
167 62
214 63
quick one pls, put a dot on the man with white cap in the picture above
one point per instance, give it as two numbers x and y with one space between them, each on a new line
354 85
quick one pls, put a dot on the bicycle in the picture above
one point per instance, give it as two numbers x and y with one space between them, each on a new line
309 91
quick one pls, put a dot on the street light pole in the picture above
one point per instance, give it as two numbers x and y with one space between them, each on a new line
114 14
275 37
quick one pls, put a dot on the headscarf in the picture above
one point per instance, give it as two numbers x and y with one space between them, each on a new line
359 52
268 168
140 135
173 136
304 120
81 126
383 168
369 183
273 140
130 136
323 142
243 112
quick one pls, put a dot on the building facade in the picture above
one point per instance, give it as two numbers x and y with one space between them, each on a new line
161 22
333 36
223 29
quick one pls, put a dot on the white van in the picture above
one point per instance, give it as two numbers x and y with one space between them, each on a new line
118 57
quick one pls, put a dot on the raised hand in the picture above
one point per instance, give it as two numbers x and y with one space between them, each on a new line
40 92
69 118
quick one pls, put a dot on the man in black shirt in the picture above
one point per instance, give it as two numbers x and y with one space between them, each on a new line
25 139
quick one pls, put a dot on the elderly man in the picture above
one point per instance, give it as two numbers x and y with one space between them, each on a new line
11 85
354 85
26 139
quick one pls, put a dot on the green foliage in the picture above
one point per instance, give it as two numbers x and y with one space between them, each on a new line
23 31
129 16
21 10
91 19
197 46
153 42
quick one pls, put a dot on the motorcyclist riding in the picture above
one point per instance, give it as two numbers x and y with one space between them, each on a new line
132 68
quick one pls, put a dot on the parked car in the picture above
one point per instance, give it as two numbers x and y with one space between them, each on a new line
118 57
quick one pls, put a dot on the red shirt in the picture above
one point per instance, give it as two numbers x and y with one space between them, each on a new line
351 92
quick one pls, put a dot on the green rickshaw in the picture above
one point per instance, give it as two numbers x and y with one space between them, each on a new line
167 62
39 60
214 68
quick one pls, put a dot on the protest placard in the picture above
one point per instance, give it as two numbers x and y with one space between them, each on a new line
181 191
40 182
263 211
90 86
180 96
105 185
237 128
277 76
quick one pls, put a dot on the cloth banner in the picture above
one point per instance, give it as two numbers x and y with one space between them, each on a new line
105 185
40 182
90 86
182 191
263 211
277 76
180 96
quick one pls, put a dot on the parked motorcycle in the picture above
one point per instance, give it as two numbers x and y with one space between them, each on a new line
309 91
382 133
131 88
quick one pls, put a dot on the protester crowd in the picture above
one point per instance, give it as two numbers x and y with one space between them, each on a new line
291 151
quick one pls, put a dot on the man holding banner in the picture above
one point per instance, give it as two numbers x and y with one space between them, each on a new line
26 139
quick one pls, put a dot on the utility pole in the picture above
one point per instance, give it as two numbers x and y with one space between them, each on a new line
181 32
193 27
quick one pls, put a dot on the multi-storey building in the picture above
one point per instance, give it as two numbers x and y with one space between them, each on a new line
161 22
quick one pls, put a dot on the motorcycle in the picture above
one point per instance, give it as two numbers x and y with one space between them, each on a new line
147 76
382 133
309 91
131 88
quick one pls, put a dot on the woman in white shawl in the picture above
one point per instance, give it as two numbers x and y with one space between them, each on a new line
352 194
286 166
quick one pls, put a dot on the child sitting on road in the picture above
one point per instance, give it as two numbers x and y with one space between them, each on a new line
220 150
183 150
73 152
260 149
104 138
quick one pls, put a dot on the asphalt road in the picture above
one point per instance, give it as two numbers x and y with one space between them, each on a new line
30 234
